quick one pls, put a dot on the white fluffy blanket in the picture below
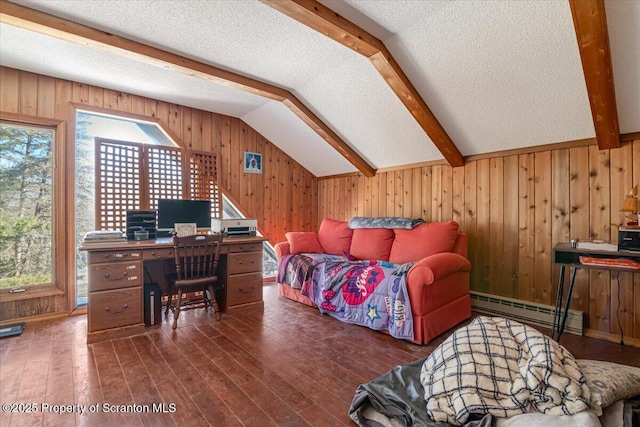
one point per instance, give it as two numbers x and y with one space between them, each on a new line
504 368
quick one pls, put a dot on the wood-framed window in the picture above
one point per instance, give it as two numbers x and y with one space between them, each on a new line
32 204
131 175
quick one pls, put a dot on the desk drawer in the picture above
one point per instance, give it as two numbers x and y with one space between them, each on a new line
116 308
160 253
244 262
244 288
245 247
114 276
113 256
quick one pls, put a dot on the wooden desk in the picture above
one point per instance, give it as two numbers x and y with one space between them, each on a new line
566 256
116 274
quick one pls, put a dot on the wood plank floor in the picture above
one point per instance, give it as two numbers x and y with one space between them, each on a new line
287 365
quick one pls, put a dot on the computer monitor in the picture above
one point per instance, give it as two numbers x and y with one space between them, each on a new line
172 211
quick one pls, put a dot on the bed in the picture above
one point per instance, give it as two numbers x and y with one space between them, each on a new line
498 372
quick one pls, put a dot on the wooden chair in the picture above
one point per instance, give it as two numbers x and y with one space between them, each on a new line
196 262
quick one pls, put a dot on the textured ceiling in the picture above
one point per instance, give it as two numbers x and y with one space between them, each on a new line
30 51
497 74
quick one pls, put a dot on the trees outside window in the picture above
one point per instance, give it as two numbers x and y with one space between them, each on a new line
26 206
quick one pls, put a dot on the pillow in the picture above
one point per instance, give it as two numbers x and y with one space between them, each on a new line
423 241
537 419
303 241
334 236
609 382
372 243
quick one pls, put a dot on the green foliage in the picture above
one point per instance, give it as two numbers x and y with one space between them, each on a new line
26 205
25 280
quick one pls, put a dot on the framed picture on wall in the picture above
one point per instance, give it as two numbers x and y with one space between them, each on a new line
252 162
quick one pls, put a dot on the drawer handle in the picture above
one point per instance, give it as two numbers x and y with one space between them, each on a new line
159 255
246 290
117 255
108 276
124 307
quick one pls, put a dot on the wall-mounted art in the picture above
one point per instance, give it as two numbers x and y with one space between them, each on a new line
252 162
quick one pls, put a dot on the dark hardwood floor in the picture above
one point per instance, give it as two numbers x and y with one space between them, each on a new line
286 365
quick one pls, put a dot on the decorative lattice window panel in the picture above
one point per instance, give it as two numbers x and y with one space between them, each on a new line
134 176
203 172
118 171
165 174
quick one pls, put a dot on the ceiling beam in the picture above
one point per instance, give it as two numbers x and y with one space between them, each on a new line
322 19
33 20
590 23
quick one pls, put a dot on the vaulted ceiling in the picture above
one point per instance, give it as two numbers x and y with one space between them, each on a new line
384 84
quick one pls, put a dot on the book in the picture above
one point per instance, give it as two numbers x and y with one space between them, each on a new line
597 245
103 241
610 262
103 236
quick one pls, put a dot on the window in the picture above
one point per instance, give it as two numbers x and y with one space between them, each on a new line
124 164
132 163
269 261
27 235
89 126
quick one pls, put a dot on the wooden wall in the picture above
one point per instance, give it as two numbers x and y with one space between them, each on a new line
282 198
515 208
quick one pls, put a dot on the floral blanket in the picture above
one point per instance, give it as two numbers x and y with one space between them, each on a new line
367 293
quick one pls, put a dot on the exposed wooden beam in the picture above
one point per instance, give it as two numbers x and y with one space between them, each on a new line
590 23
322 19
33 20
325 132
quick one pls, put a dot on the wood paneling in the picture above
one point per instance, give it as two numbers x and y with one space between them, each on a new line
541 197
282 198
483 225
514 209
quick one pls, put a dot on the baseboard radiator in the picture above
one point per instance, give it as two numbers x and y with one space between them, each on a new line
524 311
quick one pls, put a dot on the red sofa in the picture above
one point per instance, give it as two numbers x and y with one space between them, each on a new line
438 282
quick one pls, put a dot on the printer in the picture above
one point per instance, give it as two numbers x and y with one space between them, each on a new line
241 227
629 239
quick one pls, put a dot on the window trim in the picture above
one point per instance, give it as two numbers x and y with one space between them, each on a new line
90 109
60 226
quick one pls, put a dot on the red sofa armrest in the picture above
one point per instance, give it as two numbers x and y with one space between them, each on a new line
435 267
435 281
281 249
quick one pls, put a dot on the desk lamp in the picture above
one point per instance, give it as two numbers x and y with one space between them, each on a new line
630 207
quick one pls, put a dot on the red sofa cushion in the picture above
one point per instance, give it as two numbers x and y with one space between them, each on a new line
423 241
335 236
303 241
372 243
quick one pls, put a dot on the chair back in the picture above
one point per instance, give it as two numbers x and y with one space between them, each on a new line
196 256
